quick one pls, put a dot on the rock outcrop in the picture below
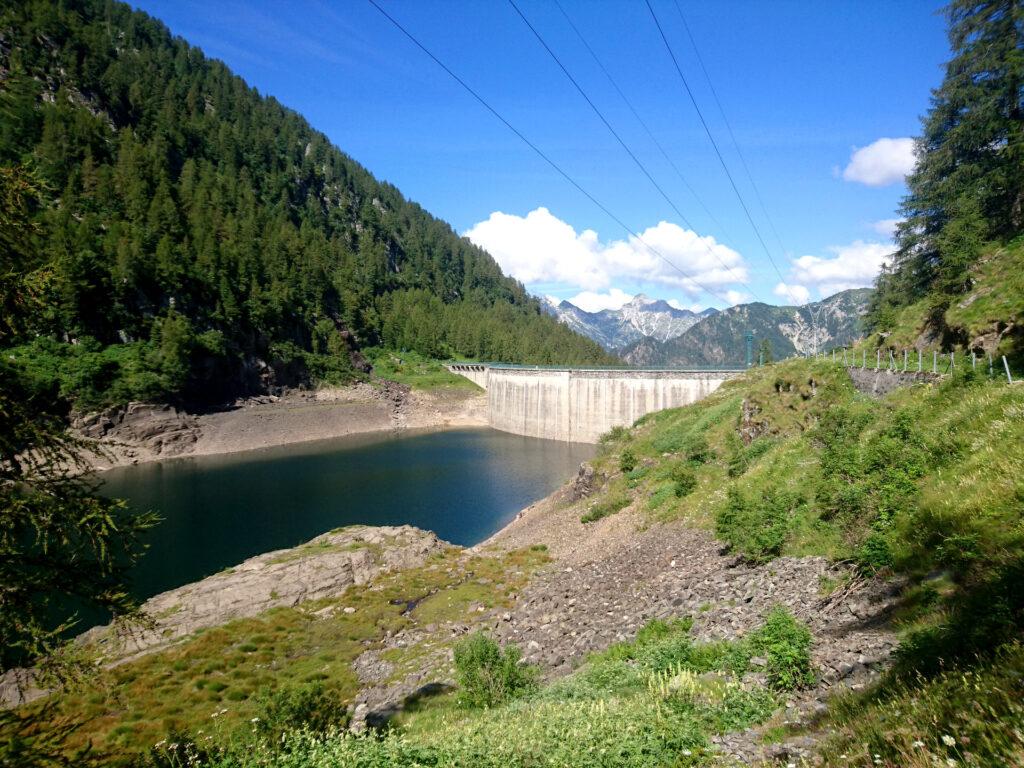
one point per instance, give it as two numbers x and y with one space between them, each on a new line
159 429
321 568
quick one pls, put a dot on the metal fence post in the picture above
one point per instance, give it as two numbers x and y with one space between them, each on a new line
878 359
990 371
863 359
935 361
904 361
974 362
918 360
952 361
1006 365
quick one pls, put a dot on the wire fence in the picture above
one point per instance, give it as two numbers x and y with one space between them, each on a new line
920 361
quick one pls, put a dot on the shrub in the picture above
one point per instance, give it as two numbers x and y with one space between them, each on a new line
698 452
756 528
627 460
309 706
685 481
785 643
607 507
741 457
488 675
614 435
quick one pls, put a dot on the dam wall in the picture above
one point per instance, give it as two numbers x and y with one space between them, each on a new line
579 405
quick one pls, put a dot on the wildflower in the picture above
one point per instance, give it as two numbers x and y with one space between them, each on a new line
948 740
254 720
918 744
951 762
685 752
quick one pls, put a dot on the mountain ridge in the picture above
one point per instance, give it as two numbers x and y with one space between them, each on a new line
639 318
719 339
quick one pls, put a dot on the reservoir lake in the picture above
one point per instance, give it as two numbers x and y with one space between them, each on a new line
463 484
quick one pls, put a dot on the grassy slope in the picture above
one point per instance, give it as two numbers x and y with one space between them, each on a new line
207 686
927 483
650 702
994 302
415 370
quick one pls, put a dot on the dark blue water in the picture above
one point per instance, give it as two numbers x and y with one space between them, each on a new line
463 484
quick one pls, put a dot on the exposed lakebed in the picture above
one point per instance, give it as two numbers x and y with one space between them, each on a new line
463 484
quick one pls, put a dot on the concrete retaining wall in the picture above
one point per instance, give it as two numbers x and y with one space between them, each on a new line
581 405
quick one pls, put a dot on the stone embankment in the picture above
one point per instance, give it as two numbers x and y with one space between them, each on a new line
883 381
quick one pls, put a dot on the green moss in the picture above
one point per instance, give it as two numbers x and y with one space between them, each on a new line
220 668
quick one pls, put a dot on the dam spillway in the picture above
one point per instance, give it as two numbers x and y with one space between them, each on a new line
581 404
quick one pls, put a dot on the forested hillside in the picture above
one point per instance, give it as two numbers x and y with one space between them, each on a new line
955 279
186 237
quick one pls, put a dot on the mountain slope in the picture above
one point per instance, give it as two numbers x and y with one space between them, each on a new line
197 238
719 339
641 318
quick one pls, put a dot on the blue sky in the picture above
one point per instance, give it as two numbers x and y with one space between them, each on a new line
809 88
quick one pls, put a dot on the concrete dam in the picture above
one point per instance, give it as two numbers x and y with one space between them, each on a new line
581 404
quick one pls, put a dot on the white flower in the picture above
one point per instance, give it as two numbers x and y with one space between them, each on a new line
254 720
948 740
950 762
918 744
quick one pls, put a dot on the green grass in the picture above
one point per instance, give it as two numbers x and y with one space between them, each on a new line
970 715
654 701
415 370
926 483
993 303
226 669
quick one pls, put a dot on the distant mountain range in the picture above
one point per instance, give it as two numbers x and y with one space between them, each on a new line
649 332
642 318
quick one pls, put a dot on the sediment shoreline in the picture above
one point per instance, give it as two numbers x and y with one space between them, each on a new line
142 433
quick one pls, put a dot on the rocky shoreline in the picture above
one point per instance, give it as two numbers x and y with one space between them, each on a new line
144 432
603 582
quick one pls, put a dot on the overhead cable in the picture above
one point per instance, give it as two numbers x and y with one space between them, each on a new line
640 120
623 144
718 152
728 126
541 154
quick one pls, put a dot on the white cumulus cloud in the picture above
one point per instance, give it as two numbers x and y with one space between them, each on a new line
541 248
849 266
885 227
591 301
792 292
881 163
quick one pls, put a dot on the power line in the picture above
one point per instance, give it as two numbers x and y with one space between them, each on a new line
718 152
623 144
540 153
640 120
728 126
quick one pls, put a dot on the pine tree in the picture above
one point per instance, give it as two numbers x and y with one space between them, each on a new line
968 186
